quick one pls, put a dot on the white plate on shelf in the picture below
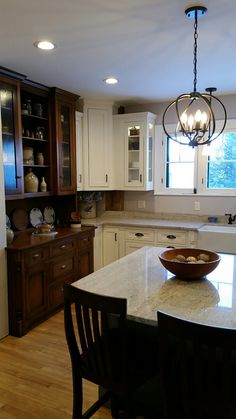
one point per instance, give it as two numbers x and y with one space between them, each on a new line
49 215
36 217
8 222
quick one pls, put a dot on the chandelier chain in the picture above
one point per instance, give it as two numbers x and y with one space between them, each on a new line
195 54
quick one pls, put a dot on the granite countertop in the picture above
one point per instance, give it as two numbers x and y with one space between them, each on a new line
143 222
148 287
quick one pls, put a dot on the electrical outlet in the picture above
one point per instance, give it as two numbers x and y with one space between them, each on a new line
141 204
197 205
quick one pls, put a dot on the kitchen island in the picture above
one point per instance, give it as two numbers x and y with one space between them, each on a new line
148 287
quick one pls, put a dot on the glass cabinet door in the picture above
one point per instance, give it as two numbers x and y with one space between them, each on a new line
11 139
150 152
66 147
134 155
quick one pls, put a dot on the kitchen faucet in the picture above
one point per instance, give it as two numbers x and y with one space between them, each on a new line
231 218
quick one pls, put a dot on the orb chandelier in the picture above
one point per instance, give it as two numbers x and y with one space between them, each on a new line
195 112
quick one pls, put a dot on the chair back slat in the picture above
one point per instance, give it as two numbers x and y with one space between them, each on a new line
198 366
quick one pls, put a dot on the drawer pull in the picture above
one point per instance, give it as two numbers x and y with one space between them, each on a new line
63 246
85 239
139 234
170 247
36 255
171 236
63 266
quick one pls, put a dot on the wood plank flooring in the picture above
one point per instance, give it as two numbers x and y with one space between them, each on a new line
35 375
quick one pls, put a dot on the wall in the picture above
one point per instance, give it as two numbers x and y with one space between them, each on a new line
180 204
3 272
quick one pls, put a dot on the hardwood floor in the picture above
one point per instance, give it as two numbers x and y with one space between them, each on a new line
35 375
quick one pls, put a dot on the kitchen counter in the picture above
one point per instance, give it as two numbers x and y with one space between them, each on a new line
143 222
148 287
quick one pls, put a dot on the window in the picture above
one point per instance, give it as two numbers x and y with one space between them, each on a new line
205 170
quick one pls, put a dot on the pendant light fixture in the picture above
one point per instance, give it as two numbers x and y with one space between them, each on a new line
195 112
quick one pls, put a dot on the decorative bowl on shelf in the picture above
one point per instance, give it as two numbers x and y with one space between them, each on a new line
189 263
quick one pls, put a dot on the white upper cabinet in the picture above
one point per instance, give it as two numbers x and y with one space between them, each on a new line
134 150
79 150
97 144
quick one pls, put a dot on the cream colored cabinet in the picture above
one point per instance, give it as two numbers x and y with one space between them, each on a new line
97 144
176 238
110 245
98 248
79 150
135 238
134 150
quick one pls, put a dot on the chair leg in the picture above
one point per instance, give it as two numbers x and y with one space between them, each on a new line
77 397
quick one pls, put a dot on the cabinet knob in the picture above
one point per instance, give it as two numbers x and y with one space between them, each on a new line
139 234
63 266
63 246
171 236
36 255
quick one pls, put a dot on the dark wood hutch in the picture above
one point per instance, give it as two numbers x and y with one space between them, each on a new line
41 119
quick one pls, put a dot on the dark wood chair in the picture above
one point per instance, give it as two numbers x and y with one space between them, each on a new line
103 351
198 369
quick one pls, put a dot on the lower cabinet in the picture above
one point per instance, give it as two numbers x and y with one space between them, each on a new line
110 245
121 241
36 275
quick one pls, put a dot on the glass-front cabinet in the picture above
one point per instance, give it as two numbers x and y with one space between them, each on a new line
36 140
65 138
134 142
11 138
134 154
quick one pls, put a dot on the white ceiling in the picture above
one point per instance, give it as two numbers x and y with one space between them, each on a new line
147 44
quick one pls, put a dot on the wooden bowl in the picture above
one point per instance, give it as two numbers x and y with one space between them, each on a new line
187 270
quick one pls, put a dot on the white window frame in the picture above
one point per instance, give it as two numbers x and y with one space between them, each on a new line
200 167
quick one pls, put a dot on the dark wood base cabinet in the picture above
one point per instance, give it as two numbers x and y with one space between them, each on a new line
38 267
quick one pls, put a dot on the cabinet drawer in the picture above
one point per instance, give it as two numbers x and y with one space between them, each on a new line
36 255
64 266
140 235
84 242
171 237
62 247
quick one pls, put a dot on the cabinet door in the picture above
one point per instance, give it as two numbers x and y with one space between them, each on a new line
66 147
63 104
11 138
36 139
85 262
98 147
110 245
36 299
98 253
79 156
134 139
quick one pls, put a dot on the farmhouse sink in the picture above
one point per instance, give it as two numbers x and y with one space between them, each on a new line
219 238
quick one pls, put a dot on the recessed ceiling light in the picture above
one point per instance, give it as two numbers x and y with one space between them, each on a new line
45 45
111 80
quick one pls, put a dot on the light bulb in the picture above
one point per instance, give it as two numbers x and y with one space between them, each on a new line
190 122
198 116
204 120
